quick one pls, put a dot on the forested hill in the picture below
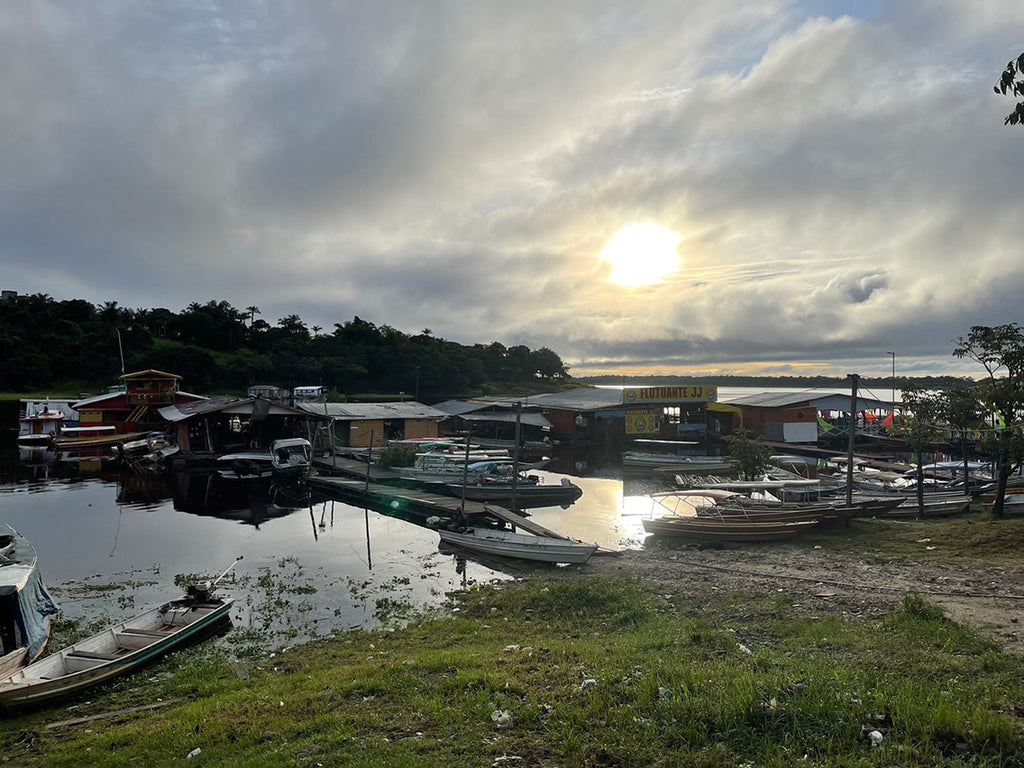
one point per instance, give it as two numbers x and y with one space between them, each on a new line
74 346
794 382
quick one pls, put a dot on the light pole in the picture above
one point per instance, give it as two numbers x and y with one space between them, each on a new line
893 354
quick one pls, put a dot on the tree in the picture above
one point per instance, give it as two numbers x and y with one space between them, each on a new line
547 363
965 413
749 456
1012 80
1000 351
253 311
924 424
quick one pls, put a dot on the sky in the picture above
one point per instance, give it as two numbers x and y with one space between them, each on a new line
732 186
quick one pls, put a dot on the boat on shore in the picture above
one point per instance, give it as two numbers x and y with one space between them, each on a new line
117 650
523 546
25 603
710 530
702 515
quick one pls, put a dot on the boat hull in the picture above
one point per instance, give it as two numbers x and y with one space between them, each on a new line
116 651
520 546
706 530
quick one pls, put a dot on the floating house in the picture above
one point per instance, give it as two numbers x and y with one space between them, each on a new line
360 425
212 427
491 423
795 417
135 408
593 414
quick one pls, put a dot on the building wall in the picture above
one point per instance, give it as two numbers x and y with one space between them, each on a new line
562 422
361 431
416 428
757 420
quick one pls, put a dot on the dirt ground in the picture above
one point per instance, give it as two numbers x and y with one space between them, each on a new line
989 600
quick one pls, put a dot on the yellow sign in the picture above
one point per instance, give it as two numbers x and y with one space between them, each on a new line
668 394
641 422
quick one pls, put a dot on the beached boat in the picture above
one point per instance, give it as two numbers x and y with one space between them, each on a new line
704 529
699 515
25 604
524 546
116 650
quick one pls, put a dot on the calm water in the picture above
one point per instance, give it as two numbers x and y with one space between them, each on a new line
112 542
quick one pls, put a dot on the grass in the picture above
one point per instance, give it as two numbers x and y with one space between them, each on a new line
591 672
974 540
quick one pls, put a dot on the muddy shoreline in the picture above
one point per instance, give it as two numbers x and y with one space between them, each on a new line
990 600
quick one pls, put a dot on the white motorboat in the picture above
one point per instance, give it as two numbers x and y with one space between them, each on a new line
524 546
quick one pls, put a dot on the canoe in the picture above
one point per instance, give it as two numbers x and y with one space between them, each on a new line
25 604
524 546
710 530
117 650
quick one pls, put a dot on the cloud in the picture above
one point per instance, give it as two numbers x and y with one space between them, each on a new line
839 173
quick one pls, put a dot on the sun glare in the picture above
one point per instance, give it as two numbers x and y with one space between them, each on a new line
642 254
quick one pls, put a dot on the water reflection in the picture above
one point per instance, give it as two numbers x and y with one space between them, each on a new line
112 541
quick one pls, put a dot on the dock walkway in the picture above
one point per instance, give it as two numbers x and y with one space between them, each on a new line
375 494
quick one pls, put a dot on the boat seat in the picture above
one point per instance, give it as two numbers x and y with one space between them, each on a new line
91 655
149 632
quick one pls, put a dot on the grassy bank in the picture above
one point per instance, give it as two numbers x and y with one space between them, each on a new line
570 672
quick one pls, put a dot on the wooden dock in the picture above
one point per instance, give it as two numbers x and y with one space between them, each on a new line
356 484
381 496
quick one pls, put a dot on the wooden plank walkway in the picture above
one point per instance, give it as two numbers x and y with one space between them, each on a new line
380 495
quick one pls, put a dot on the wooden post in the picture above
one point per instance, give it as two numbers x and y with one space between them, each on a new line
515 459
465 469
369 461
853 434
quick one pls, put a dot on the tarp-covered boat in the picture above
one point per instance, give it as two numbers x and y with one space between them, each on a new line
25 604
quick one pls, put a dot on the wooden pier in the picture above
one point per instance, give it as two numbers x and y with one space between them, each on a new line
375 494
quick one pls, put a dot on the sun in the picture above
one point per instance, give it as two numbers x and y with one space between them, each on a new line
642 254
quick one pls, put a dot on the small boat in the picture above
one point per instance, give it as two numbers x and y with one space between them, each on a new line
25 604
289 458
706 529
117 650
41 427
527 493
524 546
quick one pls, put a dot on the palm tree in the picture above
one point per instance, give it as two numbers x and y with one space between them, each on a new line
253 311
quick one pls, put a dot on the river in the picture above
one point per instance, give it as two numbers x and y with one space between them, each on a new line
112 541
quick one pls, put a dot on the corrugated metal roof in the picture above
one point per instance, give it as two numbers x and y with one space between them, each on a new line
459 407
821 400
507 417
368 411
579 399
241 406
97 399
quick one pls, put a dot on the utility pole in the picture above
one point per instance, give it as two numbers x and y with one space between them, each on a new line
853 433
893 354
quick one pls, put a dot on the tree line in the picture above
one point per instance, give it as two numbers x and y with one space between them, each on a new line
217 348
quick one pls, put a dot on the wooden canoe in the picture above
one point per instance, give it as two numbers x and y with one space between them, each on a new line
115 651
711 530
